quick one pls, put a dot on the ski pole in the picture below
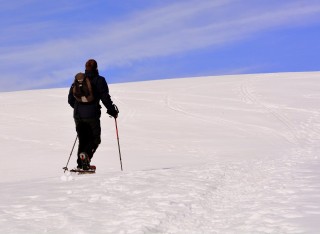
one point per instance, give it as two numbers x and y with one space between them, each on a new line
66 167
115 120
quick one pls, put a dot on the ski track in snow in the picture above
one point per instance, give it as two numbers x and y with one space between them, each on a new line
244 160
206 199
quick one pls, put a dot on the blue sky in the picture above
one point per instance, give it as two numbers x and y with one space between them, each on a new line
45 43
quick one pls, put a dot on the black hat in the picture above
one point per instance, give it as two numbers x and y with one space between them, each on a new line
91 65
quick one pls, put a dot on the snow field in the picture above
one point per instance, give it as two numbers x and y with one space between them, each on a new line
232 154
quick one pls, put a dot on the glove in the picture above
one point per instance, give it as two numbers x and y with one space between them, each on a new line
113 111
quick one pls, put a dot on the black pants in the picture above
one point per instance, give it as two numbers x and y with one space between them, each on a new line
89 133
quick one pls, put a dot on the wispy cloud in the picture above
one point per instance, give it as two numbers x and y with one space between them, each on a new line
163 31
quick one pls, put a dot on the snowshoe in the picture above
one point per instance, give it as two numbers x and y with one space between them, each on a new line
84 166
90 170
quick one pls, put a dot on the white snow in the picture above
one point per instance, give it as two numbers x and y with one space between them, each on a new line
228 154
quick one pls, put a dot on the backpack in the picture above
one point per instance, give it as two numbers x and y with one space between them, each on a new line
82 89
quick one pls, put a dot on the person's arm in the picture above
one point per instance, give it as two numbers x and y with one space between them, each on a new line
103 90
71 98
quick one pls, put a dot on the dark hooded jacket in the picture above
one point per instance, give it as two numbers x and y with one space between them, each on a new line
100 92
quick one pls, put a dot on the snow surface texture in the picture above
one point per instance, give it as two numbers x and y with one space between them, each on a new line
231 154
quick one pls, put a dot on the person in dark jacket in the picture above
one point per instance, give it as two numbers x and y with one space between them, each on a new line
87 114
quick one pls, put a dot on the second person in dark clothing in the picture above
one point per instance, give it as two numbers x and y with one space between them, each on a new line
84 97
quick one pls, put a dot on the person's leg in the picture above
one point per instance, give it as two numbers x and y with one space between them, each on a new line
85 137
95 135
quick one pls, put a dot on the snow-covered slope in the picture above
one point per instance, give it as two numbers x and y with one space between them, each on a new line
230 154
